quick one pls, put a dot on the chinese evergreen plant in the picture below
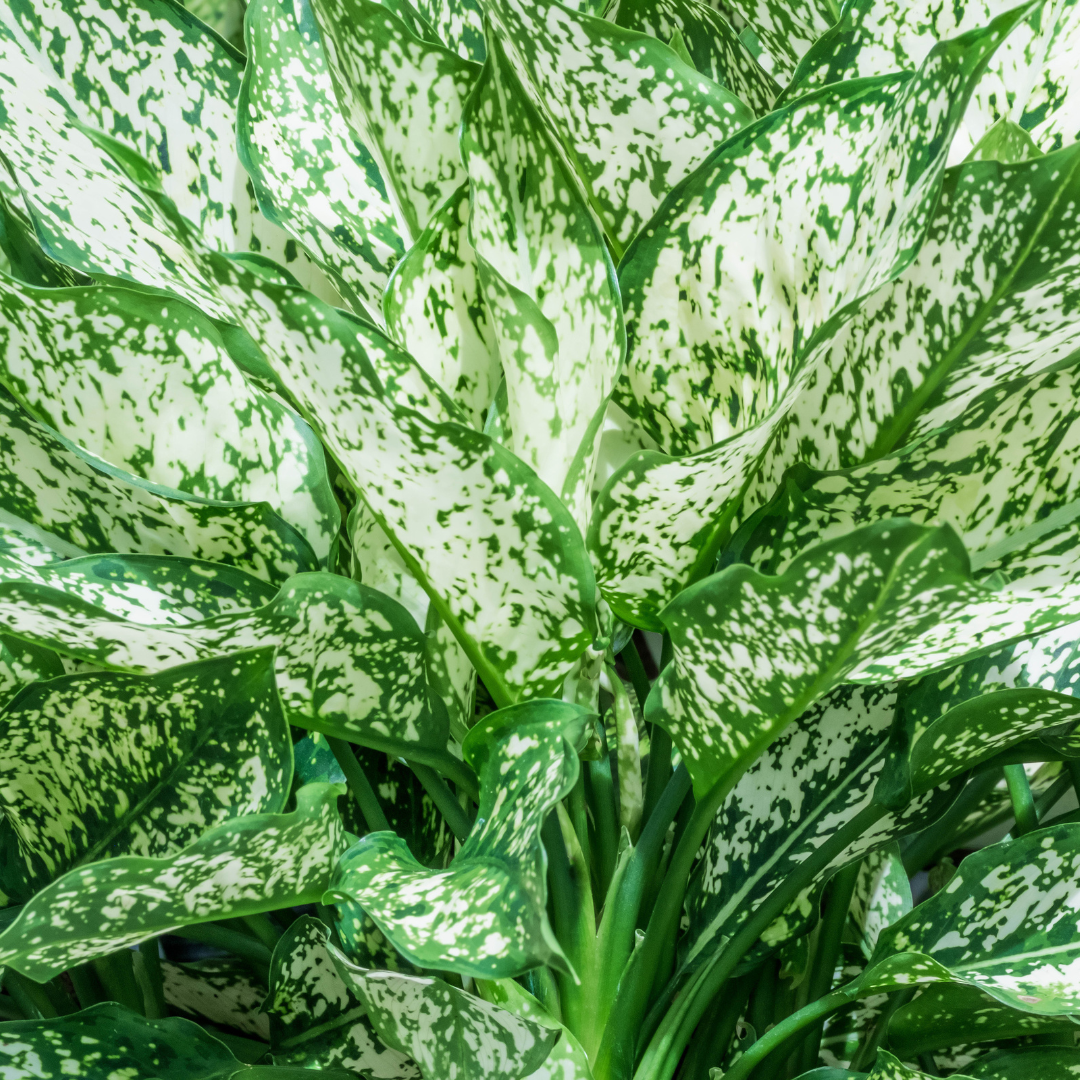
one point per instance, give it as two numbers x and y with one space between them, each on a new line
524 530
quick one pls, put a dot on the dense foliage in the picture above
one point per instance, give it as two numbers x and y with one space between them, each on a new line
533 540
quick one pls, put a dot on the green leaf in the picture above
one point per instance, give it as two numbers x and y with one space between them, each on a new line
403 98
633 118
222 990
251 864
1006 142
146 385
848 213
951 1013
485 915
882 895
316 1020
435 309
887 601
63 172
548 282
820 773
1027 1063
310 174
784 31
348 659
125 1044
22 663
1004 924
93 507
444 1030
497 552
714 47
162 85
458 23
110 764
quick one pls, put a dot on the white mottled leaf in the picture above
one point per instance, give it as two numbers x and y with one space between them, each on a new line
223 990
882 895
250 864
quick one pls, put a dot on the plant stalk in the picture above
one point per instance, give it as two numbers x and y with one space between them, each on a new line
455 817
359 785
1022 800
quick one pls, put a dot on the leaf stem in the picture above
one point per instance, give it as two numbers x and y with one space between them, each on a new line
149 960
1073 765
827 952
221 937
451 810
864 1055
118 977
636 670
88 988
359 785
263 928
666 1046
607 827
15 985
1022 800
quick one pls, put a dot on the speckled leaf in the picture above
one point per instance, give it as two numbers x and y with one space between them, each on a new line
785 31
1006 923
145 384
149 75
22 663
548 281
125 1043
446 1031
403 98
723 706
348 659
497 552
97 508
222 990
819 773
62 172
311 175
715 48
250 864
111 764
315 1018
990 296
882 895
735 354
1028 81
434 307
950 1013
1027 1063
458 23
146 588
633 117
485 915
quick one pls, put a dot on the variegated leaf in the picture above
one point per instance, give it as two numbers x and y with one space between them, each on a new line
887 601
715 48
111 764
882 895
64 168
316 1019
1005 923
548 282
225 17
1027 1063
434 307
494 548
22 663
92 507
403 98
739 352
247 865
348 659
784 31
458 23
633 117
820 773
446 1031
124 1044
311 175
484 916
947 1014
145 384
150 76
567 1060
1027 82
222 990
